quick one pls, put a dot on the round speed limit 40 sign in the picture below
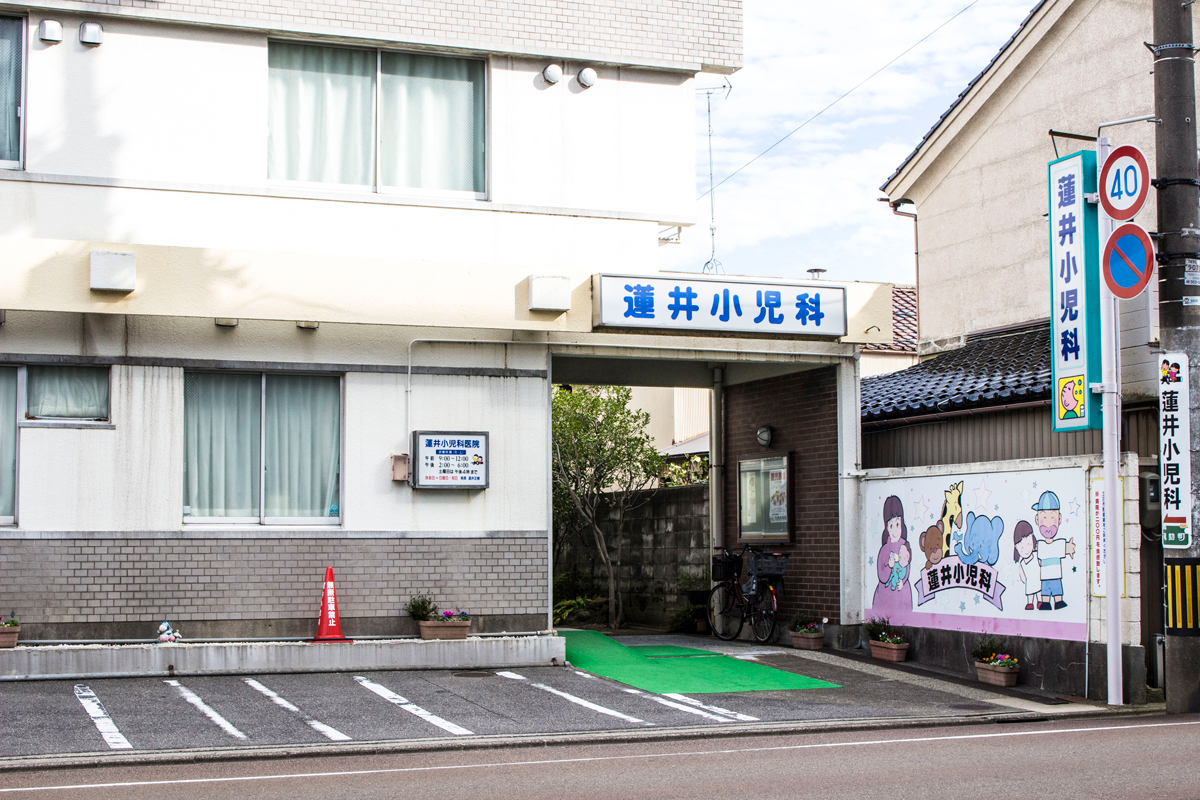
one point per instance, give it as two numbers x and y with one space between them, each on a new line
1124 183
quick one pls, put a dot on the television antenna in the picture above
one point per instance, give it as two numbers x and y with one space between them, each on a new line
712 265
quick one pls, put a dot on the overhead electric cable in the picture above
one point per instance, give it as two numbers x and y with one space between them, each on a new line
788 135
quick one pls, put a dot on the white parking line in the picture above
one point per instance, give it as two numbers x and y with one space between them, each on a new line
319 727
680 707
579 701
95 709
412 708
205 709
715 709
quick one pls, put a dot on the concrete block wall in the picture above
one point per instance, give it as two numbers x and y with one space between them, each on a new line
93 587
678 34
802 411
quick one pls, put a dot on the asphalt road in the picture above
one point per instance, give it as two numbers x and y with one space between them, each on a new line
110 715
1145 757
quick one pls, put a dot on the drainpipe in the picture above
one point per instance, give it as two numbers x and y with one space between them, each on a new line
716 464
916 253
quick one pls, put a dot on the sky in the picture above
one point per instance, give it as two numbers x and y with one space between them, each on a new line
812 201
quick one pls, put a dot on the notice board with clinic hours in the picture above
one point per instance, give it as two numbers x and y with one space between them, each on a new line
450 459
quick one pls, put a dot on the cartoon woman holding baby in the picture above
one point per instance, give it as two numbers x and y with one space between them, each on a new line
893 562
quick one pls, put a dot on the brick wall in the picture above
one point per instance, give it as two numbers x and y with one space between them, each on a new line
674 33
802 410
121 588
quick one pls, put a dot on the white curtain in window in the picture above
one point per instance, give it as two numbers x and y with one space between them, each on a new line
432 123
68 392
321 105
221 444
10 89
8 441
303 422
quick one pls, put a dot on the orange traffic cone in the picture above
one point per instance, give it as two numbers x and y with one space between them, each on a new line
329 629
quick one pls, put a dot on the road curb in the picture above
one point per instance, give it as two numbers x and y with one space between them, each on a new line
213 755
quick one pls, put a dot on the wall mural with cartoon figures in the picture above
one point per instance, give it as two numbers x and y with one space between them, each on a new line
995 552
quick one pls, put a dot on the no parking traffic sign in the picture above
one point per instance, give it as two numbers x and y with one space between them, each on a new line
1124 183
1128 261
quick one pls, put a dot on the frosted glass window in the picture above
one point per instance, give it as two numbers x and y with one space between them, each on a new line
432 115
321 114
8 443
221 444
67 393
10 89
261 447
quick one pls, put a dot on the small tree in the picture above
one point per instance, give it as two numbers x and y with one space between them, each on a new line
606 463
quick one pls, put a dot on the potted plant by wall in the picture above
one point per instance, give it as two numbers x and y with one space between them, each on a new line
10 629
435 624
886 644
992 666
806 632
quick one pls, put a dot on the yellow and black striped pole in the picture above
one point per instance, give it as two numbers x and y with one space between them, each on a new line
1183 596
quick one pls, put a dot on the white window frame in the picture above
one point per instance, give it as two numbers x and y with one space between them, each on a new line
262 519
22 103
375 187
24 421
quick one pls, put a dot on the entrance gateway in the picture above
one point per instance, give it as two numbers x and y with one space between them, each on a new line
772 354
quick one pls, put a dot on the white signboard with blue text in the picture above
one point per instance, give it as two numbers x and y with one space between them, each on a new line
450 460
1074 293
689 303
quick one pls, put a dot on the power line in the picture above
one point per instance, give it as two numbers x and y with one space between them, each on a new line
787 136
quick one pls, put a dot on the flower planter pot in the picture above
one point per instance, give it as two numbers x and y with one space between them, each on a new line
702 625
996 676
8 636
808 641
889 652
435 629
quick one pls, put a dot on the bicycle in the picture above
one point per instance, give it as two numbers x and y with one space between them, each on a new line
730 603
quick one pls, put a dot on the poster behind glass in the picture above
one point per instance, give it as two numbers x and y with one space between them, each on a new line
763 498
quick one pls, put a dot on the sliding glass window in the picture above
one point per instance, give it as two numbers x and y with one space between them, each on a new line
261 448
384 120
8 445
11 63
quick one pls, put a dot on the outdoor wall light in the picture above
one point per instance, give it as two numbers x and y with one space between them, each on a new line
226 322
91 33
50 30
763 435
308 325
552 74
587 77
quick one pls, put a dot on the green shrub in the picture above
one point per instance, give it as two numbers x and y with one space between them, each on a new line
876 626
689 580
985 648
804 621
421 608
572 584
584 609
684 620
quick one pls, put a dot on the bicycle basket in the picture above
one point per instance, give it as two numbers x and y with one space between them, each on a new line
768 565
726 567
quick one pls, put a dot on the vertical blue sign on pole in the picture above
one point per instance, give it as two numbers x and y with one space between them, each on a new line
1075 346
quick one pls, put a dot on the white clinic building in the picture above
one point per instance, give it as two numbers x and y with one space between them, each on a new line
247 249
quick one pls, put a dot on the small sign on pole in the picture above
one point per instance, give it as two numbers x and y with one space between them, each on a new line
1124 183
1174 402
1128 261
1099 531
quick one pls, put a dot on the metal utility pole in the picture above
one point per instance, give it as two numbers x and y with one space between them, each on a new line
1178 187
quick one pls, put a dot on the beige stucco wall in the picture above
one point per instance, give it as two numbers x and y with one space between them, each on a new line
979 184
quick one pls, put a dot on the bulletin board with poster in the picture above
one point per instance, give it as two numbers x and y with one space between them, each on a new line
764 498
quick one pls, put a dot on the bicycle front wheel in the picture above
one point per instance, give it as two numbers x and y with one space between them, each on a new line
762 615
724 612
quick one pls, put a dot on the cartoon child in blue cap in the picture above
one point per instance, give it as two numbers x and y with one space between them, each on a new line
1051 551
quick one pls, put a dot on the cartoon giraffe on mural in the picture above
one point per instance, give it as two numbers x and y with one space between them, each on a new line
952 516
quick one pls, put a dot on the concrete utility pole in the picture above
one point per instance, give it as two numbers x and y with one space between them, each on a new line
1178 198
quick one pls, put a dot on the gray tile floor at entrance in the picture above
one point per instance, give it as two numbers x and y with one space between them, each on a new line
108 715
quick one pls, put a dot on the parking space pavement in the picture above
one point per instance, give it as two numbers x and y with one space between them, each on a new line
432 708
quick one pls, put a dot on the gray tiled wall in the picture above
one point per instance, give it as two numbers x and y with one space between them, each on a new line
84 587
676 33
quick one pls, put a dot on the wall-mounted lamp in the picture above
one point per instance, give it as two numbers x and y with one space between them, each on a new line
225 322
91 33
50 31
308 325
764 435
552 74
587 77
